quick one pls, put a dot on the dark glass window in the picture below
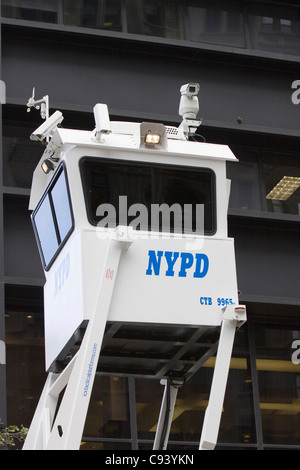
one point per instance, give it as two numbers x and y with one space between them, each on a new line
17 148
108 413
275 29
156 18
149 395
30 10
277 351
262 181
245 191
24 337
52 219
216 22
101 14
186 190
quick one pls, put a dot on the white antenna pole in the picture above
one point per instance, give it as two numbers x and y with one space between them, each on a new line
42 104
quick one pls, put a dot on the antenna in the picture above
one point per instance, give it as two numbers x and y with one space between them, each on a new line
42 104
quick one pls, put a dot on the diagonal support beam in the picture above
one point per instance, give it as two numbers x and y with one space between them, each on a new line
233 318
65 432
166 414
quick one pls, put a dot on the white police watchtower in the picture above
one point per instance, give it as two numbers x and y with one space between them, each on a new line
131 224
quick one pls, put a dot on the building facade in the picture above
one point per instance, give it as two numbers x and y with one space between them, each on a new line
134 56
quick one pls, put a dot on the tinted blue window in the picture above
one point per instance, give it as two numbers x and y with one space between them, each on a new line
53 220
61 205
46 230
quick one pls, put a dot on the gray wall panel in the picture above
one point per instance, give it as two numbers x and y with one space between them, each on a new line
139 83
21 257
267 261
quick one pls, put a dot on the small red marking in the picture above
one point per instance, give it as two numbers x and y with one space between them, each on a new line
109 274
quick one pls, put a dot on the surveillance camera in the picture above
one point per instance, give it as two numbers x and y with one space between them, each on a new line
189 104
48 127
189 108
102 120
190 89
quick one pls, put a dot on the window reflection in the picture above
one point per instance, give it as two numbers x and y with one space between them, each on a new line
102 14
191 403
60 198
278 381
108 414
155 18
109 446
237 423
245 192
282 193
31 10
46 230
275 29
216 22
105 181
149 395
25 371
53 219
17 148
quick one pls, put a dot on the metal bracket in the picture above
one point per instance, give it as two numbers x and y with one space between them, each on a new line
42 104
235 313
189 126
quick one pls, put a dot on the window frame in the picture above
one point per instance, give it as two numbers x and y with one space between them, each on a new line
61 170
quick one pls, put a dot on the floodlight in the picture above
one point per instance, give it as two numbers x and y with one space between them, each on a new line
152 139
47 166
153 135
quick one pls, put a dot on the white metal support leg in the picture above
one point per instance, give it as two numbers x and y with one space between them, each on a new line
233 317
66 431
165 416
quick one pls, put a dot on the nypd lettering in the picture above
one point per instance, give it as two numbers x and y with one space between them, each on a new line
171 263
62 274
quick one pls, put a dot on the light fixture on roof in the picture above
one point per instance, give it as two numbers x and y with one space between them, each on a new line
153 135
47 166
284 188
152 138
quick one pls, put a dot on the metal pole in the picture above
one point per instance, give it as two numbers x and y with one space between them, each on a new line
3 410
165 416
232 317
